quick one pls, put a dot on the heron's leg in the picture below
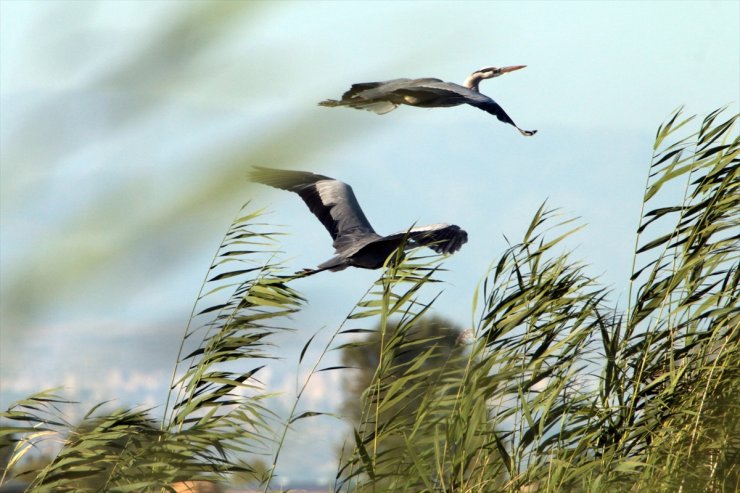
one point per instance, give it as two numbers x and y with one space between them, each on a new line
309 272
334 264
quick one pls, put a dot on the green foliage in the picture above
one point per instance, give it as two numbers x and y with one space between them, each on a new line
415 373
558 390
562 391
216 415
441 338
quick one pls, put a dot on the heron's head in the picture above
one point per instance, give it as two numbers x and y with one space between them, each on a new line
491 72
488 73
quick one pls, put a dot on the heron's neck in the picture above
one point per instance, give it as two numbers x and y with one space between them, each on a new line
473 80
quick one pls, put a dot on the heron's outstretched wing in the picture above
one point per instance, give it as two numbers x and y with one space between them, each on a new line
361 87
437 93
442 238
332 201
382 97
490 106
379 97
460 94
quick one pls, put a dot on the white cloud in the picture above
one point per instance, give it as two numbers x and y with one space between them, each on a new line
324 390
124 386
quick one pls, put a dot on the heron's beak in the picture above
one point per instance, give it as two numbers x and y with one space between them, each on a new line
511 69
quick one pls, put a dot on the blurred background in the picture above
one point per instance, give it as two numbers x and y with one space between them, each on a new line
127 129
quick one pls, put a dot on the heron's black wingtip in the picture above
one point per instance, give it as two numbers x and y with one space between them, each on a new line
257 174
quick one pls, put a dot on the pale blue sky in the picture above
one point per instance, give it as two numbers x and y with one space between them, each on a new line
103 129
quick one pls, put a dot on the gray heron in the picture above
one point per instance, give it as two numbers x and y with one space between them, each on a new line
356 243
383 97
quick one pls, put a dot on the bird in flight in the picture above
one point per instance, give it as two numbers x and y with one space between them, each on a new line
383 97
356 243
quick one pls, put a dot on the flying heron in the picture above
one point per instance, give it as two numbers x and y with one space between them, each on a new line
382 97
356 243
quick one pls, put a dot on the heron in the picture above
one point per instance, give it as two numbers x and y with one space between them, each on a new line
383 97
356 243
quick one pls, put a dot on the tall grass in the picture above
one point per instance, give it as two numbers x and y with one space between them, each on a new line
558 391
214 412
577 395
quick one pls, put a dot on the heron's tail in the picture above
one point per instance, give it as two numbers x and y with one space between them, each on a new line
331 103
377 107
